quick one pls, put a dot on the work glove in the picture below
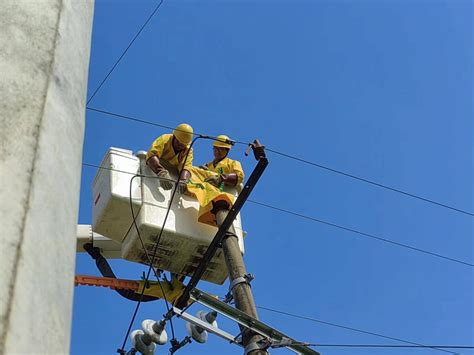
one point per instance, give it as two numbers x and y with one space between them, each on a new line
165 178
182 186
215 180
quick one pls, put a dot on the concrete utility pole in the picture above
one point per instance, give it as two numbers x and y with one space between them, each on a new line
44 59
241 292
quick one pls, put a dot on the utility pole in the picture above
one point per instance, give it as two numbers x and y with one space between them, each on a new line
239 282
241 290
44 60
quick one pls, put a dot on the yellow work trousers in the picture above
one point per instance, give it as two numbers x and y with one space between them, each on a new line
206 194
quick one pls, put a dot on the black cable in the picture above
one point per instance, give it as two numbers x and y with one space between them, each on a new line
305 162
324 222
129 118
360 233
388 346
369 181
345 327
148 257
125 51
151 123
269 309
158 240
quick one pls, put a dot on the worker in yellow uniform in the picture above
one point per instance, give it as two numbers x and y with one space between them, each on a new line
171 152
207 182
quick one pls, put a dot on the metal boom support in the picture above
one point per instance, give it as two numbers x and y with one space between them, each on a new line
221 232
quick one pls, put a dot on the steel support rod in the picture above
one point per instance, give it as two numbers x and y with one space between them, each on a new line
224 227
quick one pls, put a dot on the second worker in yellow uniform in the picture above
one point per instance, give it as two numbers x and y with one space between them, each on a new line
207 182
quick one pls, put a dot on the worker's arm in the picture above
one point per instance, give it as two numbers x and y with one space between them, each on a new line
154 164
229 179
156 150
186 174
236 176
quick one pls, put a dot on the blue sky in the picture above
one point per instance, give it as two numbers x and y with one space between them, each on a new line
379 89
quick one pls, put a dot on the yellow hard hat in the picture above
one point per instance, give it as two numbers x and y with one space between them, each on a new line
223 141
184 133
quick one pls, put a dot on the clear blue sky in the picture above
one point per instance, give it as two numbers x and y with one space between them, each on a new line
379 89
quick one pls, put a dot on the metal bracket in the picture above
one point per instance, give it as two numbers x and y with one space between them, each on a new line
284 342
266 343
259 345
257 148
176 345
230 234
247 278
276 337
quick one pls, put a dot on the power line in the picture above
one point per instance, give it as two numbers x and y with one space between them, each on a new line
129 118
369 181
320 221
359 232
305 161
125 51
324 222
138 120
388 346
347 328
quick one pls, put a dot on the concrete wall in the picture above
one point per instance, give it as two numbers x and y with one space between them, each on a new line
44 58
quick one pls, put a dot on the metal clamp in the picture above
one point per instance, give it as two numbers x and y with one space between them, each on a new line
284 342
258 150
259 345
176 345
247 278
230 234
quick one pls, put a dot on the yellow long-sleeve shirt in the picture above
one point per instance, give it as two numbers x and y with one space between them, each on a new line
162 147
208 194
228 166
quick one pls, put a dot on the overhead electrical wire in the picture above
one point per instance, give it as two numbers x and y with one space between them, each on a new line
383 186
346 327
260 307
304 161
385 240
313 219
138 120
435 347
125 51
